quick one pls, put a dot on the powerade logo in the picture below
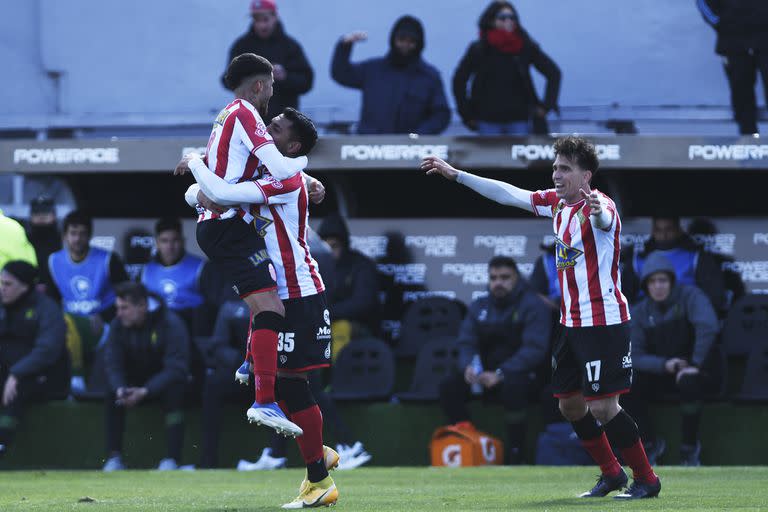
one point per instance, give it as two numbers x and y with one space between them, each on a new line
547 151
411 273
728 152
439 246
413 296
392 151
371 246
511 245
721 243
470 273
750 271
66 156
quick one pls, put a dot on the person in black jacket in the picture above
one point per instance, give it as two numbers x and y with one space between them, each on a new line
43 233
742 40
266 37
145 357
401 92
673 331
503 99
32 354
509 331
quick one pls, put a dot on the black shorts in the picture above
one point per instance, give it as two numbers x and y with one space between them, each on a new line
306 343
240 254
595 361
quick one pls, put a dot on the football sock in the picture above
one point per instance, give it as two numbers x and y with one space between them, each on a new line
594 440
623 433
263 345
305 413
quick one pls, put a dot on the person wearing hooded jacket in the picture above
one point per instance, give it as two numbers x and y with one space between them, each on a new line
33 360
673 331
502 99
266 37
401 92
145 357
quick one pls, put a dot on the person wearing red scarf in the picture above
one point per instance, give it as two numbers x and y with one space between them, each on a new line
502 98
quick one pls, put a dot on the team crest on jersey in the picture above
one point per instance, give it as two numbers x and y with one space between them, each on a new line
260 224
223 115
565 255
272 181
261 130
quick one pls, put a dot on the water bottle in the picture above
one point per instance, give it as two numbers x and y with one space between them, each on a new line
476 388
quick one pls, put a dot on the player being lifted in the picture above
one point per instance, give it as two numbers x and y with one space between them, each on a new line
591 359
304 345
238 145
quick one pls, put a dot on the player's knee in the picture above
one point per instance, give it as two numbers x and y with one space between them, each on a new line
295 393
260 303
572 408
605 409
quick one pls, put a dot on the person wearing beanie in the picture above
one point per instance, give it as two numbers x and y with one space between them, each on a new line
673 332
402 93
43 233
33 360
266 37
502 98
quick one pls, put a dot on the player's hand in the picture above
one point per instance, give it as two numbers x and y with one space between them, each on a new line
208 203
316 191
593 200
10 390
470 376
355 36
675 364
133 396
279 72
488 379
688 370
435 165
183 166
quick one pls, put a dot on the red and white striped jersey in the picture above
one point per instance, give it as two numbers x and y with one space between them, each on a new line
231 153
587 261
284 221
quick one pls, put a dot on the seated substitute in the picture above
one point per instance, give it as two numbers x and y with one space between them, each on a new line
33 363
509 330
673 330
145 357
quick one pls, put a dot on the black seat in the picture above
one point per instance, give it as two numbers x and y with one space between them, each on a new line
437 359
365 370
746 325
755 385
426 319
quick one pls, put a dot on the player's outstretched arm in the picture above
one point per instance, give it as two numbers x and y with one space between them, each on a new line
221 192
498 191
598 211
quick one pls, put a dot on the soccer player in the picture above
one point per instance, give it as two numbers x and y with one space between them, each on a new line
591 359
238 145
304 345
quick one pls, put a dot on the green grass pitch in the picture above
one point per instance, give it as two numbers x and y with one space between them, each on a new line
379 489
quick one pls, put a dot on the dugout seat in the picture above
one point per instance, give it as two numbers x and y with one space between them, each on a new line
746 325
96 383
755 385
437 359
424 320
364 370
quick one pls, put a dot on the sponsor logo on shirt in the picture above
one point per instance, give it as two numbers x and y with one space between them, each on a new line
323 333
260 224
565 255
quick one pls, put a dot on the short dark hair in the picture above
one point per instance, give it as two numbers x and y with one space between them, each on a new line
168 224
503 261
579 150
244 66
487 18
302 130
132 292
77 218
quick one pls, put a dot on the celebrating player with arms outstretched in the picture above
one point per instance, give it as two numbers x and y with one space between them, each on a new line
591 359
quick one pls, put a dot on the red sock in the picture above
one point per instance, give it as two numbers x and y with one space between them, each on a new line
311 443
284 408
600 450
248 358
636 458
263 345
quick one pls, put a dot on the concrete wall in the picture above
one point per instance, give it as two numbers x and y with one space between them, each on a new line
153 57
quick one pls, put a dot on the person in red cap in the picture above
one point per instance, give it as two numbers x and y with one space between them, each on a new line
266 37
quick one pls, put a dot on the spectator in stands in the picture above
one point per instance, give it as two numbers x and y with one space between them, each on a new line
14 244
225 351
509 330
83 278
742 41
693 266
401 92
354 291
502 99
266 37
673 331
43 233
32 356
700 230
145 357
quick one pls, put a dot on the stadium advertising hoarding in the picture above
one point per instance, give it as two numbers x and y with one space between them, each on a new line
393 152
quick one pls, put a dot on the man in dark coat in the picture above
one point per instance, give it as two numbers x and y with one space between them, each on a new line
266 37
401 92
